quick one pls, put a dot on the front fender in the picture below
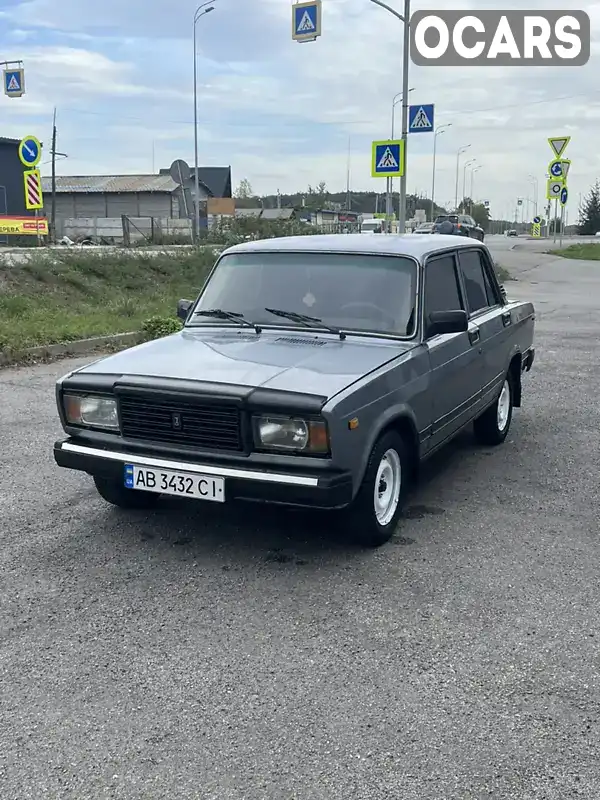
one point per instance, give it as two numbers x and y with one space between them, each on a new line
400 412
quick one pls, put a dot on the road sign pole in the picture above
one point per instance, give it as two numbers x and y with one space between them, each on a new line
405 58
405 55
555 218
562 217
388 205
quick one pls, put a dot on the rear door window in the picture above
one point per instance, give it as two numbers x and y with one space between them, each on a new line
477 284
442 288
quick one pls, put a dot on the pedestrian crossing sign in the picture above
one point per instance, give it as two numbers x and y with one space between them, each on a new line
420 119
14 82
387 159
306 21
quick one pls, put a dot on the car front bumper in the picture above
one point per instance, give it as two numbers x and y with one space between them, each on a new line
328 490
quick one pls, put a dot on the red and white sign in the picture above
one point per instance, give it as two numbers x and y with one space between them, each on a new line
34 198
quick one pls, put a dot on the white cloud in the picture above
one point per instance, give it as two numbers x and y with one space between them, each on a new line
282 113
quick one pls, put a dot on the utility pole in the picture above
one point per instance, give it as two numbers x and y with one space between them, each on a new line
348 199
53 211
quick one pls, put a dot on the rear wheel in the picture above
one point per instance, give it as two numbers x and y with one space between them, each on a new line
492 427
118 495
374 513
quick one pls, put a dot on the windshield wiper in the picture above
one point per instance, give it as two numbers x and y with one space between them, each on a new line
303 319
218 313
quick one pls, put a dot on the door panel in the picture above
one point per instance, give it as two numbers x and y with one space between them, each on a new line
455 358
486 311
455 383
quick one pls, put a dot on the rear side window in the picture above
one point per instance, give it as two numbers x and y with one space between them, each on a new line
442 292
478 287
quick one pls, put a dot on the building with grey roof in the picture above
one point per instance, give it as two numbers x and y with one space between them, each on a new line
112 196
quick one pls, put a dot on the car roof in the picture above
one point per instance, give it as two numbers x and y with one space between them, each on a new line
410 244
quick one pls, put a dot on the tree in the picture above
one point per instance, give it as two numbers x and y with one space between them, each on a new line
478 211
589 212
481 215
244 190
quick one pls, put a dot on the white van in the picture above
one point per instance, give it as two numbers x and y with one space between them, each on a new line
372 225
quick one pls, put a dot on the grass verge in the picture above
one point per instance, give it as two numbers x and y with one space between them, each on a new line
502 273
583 252
62 298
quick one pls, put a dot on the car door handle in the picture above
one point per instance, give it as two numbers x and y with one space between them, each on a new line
474 335
506 318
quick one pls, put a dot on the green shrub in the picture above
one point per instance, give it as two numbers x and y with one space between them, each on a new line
157 327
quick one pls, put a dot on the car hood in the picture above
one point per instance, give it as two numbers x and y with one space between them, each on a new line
293 361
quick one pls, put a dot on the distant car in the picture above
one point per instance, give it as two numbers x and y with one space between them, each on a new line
311 371
462 225
511 232
425 227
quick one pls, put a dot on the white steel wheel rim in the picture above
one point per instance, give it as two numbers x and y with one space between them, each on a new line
503 407
388 482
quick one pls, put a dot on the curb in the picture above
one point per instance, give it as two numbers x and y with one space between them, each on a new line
79 347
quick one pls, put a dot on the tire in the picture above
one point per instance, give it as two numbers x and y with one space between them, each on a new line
365 525
492 427
118 495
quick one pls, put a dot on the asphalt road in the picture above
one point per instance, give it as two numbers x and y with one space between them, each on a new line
201 652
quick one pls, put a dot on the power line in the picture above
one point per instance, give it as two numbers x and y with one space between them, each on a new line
334 123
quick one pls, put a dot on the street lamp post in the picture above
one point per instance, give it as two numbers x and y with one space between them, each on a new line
390 181
473 171
203 8
464 185
405 19
458 155
438 131
534 180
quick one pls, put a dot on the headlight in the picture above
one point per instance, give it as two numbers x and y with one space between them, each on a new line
292 434
91 411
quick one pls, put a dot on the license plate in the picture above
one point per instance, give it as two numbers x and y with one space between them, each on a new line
180 484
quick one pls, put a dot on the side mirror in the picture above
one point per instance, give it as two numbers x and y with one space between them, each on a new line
183 309
447 322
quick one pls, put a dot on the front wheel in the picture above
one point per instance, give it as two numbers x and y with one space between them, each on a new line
492 427
119 495
373 515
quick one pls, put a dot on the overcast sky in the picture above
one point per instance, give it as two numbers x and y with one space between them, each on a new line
280 113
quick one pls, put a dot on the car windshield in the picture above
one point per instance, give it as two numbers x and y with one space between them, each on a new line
350 291
447 218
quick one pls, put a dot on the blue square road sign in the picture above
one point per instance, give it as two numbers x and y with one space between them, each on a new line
14 82
387 159
306 21
421 119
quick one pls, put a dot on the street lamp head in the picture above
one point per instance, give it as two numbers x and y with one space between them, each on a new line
398 97
203 9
